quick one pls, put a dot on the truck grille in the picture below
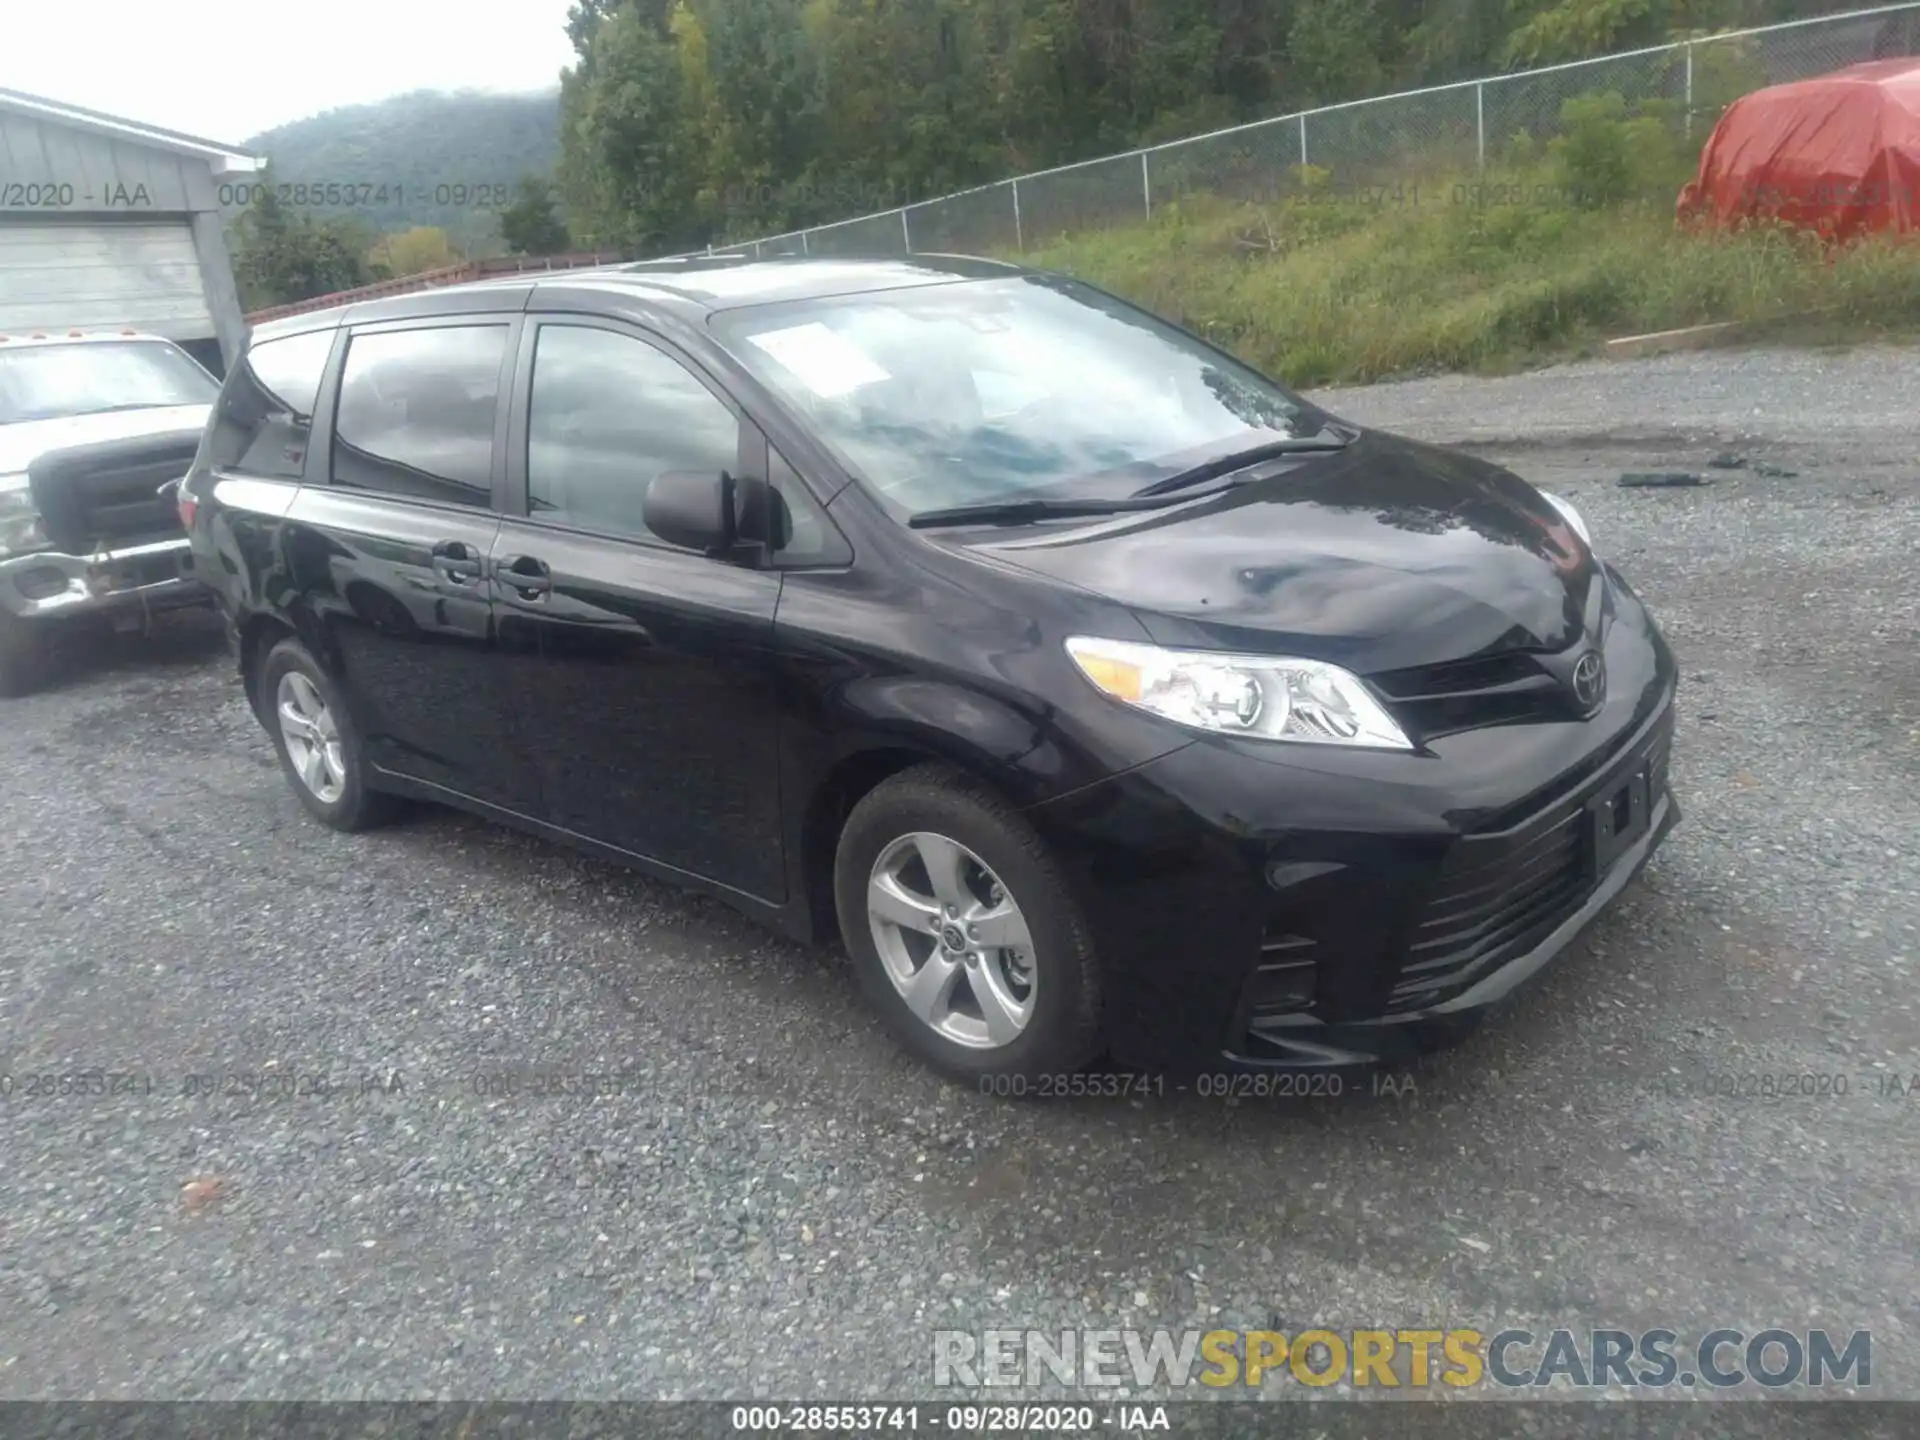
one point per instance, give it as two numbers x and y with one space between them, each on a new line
98 497
1498 896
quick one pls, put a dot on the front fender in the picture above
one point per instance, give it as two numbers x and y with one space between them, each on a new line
996 740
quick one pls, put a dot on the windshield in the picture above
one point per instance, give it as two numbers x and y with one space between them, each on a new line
50 382
1002 390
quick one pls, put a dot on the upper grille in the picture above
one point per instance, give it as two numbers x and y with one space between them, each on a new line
1503 689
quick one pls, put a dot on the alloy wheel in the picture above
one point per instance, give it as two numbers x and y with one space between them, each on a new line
952 940
312 738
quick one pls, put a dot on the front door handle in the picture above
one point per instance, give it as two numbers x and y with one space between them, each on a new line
456 562
531 579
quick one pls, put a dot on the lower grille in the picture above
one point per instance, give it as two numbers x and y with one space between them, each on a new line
130 573
1283 980
1498 896
1490 910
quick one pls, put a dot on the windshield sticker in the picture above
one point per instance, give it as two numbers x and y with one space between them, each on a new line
826 361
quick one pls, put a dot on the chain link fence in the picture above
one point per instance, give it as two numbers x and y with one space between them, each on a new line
1447 130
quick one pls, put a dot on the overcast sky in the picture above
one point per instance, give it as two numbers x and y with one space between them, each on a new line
228 69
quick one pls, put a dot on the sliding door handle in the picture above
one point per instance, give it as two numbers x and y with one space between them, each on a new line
527 577
457 562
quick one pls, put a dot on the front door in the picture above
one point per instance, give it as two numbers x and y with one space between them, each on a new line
652 720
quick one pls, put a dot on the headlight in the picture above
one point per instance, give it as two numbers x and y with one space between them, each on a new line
21 532
1571 516
1258 696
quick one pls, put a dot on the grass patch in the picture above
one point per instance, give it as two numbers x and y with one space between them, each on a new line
1326 289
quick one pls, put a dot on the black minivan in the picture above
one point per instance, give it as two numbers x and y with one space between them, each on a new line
1104 696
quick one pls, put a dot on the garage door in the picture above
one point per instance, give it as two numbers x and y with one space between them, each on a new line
102 275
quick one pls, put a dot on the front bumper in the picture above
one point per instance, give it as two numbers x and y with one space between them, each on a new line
1308 1041
1260 906
138 580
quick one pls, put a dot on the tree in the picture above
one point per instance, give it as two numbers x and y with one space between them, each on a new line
279 257
1569 29
630 156
1334 48
755 80
531 225
411 252
1546 31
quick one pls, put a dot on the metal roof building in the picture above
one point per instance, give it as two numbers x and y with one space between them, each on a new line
109 223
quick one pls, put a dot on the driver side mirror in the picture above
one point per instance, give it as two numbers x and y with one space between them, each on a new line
694 509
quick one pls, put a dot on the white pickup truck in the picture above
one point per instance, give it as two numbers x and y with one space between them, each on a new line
92 427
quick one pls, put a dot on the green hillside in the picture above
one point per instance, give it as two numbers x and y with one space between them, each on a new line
424 158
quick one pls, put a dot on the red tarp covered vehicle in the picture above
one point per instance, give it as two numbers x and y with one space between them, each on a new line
1839 154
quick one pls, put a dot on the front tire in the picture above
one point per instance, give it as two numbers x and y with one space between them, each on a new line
964 932
319 746
23 657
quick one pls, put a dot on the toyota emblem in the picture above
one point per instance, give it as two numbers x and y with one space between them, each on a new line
1590 680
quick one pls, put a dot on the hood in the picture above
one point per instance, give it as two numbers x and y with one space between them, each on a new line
1385 555
26 441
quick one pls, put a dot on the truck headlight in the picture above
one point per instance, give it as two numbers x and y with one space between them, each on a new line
21 529
1262 697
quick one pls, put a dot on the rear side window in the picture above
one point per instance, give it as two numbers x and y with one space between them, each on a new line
264 418
417 411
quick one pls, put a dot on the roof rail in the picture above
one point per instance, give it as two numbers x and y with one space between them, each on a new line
461 274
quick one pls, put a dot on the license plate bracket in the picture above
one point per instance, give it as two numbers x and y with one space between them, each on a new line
1617 818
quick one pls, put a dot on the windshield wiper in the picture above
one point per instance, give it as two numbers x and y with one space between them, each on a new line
1017 512
1328 440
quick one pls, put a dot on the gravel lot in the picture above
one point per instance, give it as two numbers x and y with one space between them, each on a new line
782 1205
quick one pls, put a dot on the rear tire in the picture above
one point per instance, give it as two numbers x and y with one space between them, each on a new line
23 656
320 748
964 932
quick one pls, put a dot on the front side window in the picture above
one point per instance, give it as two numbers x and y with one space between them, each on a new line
93 377
984 391
610 414
417 411
265 416
802 533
